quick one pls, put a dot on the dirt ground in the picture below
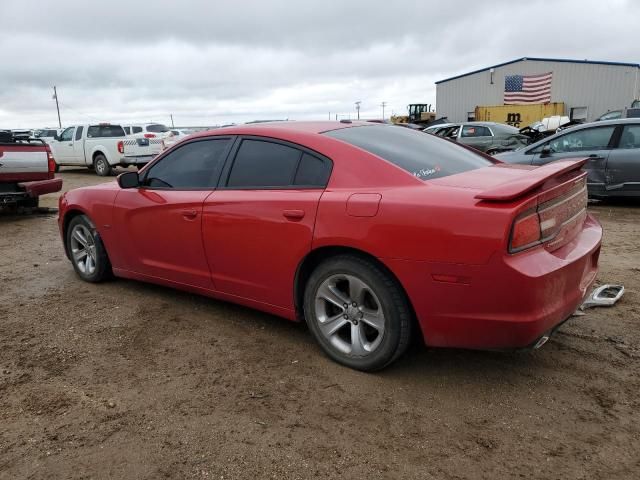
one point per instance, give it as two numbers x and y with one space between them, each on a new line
128 380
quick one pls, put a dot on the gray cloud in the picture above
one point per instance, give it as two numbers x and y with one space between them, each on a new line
215 62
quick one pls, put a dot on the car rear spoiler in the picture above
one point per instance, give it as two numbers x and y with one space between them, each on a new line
536 177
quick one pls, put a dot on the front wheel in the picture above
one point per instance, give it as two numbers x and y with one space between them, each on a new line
101 166
86 250
357 312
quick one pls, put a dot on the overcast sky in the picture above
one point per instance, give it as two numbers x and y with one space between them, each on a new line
213 62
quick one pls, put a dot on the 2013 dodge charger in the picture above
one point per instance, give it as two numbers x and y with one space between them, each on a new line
370 233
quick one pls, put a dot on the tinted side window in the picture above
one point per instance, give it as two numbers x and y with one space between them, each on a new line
586 139
79 133
630 137
260 164
67 135
127 130
136 129
475 131
192 166
312 171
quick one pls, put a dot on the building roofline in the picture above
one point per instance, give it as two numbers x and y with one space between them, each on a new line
539 59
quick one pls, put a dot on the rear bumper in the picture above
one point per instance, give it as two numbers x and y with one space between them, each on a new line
41 187
509 302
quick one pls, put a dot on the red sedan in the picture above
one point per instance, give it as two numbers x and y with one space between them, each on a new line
371 233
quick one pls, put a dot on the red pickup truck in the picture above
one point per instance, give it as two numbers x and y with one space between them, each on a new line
26 171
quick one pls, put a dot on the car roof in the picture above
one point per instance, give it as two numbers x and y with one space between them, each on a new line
275 128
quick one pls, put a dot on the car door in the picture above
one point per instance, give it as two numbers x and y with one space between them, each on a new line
63 147
159 224
476 136
259 224
595 143
77 153
623 164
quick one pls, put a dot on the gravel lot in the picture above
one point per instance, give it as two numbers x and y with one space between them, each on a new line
128 380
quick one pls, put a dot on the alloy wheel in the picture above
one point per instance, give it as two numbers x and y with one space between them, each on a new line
349 315
83 249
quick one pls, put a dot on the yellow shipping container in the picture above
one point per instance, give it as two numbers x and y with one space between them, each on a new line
519 115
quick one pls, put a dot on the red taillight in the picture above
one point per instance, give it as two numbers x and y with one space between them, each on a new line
525 232
553 218
51 163
121 147
149 135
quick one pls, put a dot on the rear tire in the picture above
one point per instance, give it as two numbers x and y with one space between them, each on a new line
357 312
102 167
86 250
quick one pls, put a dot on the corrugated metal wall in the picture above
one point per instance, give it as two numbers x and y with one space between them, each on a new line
598 87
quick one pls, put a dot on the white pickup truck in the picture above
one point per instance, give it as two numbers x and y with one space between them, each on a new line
101 147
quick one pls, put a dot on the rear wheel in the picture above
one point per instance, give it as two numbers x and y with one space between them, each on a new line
357 312
86 250
101 165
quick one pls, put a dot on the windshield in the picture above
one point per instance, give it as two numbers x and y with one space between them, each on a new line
422 155
157 128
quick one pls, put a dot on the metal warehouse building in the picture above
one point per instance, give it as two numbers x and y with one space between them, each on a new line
587 88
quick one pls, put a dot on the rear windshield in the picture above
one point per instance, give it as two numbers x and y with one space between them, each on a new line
419 153
157 128
97 131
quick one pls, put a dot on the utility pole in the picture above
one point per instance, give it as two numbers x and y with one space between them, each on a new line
55 97
383 104
172 125
358 108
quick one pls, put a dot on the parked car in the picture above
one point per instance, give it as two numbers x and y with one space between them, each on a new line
26 171
147 130
371 233
488 137
612 148
100 147
175 135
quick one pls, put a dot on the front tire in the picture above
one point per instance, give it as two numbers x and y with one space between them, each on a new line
357 312
101 166
86 250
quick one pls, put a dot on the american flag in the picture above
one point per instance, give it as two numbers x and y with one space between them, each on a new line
520 89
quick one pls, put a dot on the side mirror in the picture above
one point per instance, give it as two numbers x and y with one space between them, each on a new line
129 180
56 137
546 151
